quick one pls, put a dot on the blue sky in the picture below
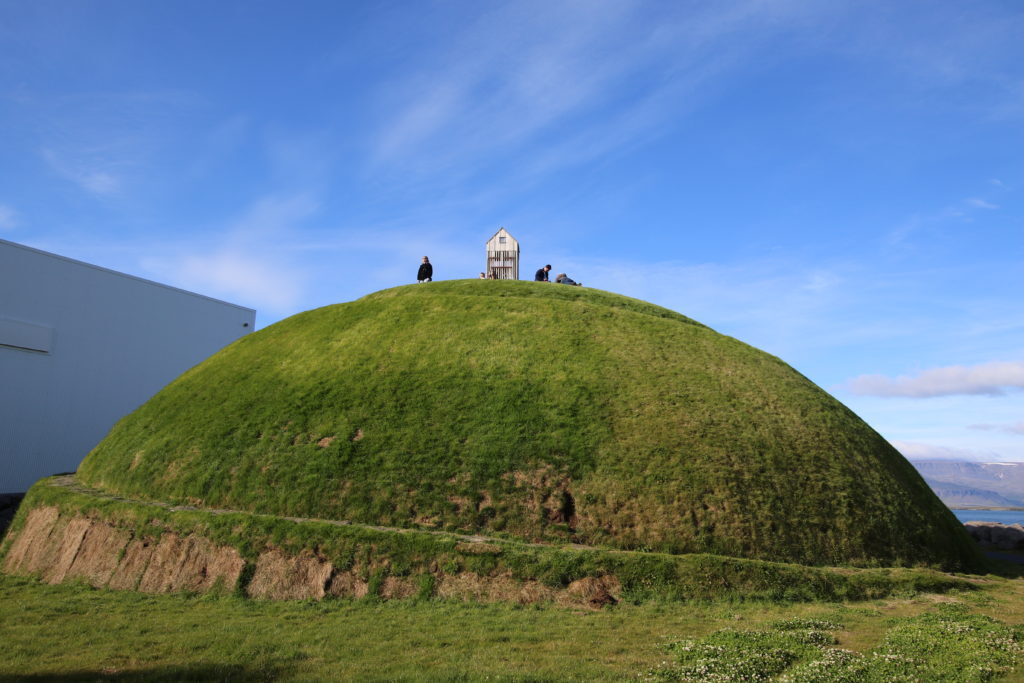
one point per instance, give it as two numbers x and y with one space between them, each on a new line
840 184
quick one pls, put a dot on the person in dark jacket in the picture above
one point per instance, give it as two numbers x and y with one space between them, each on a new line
426 271
542 274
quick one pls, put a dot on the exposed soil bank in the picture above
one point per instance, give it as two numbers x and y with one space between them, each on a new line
57 548
64 531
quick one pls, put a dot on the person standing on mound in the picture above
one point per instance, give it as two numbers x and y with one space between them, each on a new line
542 274
426 271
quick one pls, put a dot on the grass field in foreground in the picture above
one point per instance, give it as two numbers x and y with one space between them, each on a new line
72 633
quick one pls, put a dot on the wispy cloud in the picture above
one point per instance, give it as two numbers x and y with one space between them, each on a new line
99 141
234 271
977 48
8 218
89 172
1012 428
494 95
797 307
963 211
922 451
981 203
524 78
252 262
991 379
784 306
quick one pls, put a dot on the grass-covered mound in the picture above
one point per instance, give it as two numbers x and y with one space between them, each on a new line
538 411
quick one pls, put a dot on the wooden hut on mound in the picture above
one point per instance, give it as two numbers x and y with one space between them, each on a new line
502 256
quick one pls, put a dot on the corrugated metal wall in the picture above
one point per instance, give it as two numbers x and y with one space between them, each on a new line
82 346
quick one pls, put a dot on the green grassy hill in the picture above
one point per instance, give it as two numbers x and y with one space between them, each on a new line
536 411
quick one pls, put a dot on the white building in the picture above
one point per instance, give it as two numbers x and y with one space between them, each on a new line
82 346
502 256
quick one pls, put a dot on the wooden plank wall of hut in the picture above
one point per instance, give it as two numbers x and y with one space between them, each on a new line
503 265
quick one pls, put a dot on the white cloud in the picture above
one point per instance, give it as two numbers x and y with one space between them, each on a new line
821 280
90 174
495 96
981 203
99 182
922 451
273 215
524 80
1013 428
252 263
976 48
236 271
991 379
104 141
8 218
788 308
960 212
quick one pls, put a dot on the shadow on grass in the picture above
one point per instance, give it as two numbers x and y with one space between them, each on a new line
1008 564
9 503
194 672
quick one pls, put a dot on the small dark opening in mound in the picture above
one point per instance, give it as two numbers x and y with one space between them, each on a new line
567 510
561 508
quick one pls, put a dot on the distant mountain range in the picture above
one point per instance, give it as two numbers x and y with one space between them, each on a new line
960 483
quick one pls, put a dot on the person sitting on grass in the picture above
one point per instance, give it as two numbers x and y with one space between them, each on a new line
542 274
566 280
426 271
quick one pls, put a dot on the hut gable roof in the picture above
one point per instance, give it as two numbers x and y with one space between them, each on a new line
511 243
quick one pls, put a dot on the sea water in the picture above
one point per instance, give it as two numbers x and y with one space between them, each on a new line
1001 516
